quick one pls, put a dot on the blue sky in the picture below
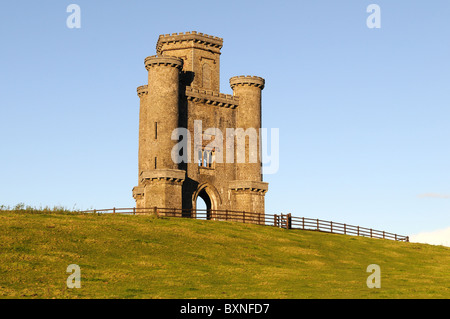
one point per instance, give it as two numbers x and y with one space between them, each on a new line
363 113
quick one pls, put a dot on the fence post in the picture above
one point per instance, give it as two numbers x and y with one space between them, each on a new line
407 239
331 226
345 229
226 214
134 210
303 222
318 227
383 234
243 214
395 236
371 233
275 220
357 228
114 210
288 221
155 211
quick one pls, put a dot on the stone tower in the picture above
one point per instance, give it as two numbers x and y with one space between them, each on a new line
183 91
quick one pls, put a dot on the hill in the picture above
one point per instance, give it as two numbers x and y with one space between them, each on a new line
124 256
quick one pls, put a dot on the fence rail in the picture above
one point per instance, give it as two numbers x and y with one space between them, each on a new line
286 221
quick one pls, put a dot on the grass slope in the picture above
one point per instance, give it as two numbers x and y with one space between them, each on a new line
143 257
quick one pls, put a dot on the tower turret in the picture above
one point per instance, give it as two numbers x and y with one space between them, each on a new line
201 55
161 111
248 188
248 89
138 191
159 101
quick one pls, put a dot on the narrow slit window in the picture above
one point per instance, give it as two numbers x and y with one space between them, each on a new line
155 162
205 158
210 159
156 130
200 158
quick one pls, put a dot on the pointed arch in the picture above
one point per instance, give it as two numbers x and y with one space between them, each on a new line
210 195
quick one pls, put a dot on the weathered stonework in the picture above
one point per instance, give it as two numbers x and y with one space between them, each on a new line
183 87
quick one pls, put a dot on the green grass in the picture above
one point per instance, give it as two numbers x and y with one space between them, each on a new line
144 257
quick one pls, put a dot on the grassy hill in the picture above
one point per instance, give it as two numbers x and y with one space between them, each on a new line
144 257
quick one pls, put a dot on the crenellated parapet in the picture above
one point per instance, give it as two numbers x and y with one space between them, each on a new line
212 42
156 60
138 192
165 175
249 186
212 98
142 90
247 80
162 187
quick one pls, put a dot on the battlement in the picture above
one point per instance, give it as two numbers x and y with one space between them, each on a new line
211 97
193 36
138 191
247 80
191 33
169 175
142 90
252 186
166 60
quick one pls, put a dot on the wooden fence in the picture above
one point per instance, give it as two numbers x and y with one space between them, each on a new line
286 221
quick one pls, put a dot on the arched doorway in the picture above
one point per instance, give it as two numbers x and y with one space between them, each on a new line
203 205
205 200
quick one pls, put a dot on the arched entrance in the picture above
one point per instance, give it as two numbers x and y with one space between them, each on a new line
203 205
204 201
